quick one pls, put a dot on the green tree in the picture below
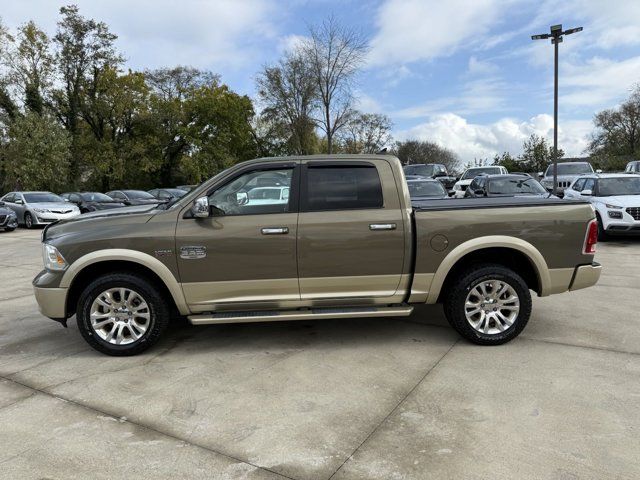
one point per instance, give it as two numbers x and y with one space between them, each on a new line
219 133
29 64
170 117
36 156
537 154
616 137
85 51
511 163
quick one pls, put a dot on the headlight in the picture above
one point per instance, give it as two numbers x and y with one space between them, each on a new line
456 187
608 205
41 210
53 260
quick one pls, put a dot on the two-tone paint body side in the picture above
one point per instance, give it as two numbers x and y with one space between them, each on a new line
551 236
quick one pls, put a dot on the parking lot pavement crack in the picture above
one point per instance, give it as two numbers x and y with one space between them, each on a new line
144 427
391 412
19 400
50 388
588 347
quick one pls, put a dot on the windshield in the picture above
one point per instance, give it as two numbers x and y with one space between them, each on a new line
474 172
42 197
570 169
419 188
176 192
95 197
522 185
619 186
138 195
423 170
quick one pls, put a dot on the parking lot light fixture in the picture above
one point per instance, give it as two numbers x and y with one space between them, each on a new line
556 35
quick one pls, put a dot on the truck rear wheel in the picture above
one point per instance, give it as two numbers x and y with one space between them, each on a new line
488 305
121 314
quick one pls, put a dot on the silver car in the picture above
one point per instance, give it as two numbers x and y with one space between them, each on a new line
39 208
568 172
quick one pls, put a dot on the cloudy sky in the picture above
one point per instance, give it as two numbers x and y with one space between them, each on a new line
463 73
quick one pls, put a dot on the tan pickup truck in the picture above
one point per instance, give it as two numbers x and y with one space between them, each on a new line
312 238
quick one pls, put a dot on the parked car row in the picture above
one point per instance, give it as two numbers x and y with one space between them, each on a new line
40 208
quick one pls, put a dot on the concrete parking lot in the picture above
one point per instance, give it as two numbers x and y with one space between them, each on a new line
350 399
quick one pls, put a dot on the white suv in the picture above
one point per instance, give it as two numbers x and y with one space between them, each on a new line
616 199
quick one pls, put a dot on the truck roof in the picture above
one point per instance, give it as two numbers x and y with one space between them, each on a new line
341 156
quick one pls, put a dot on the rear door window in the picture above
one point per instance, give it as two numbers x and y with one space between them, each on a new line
346 187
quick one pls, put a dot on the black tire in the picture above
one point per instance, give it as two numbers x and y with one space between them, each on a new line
159 313
456 296
603 236
28 220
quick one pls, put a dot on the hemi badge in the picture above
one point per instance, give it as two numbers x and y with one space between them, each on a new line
163 253
193 252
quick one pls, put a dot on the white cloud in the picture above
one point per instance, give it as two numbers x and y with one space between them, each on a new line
471 140
291 42
367 104
153 33
607 24
479 95
598 81
411 30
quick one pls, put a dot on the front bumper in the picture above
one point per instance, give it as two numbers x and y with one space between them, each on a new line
586 276
9 222
45 218
626 226
52 300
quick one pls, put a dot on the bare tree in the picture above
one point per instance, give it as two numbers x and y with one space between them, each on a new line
289 94
423 151
334 54
366 133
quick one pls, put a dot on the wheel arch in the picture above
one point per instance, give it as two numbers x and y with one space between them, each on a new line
120 260
511 252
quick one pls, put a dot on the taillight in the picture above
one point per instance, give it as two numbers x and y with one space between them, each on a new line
592 238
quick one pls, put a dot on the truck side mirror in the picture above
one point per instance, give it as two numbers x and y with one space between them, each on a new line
599 170
540 174
200 208
586 193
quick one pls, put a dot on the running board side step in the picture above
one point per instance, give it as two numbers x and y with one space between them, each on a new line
312 314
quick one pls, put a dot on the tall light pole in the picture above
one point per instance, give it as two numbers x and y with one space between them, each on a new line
556 38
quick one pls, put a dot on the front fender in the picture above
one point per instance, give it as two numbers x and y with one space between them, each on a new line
135 256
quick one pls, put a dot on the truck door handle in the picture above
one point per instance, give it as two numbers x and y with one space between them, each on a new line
275 231
382 226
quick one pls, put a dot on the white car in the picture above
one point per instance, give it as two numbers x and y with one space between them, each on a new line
467 177
268 195
616 199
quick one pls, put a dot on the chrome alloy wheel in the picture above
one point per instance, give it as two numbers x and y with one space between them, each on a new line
492 306
120 316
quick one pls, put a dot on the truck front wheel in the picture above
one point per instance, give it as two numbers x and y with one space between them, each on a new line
488 305
121 314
